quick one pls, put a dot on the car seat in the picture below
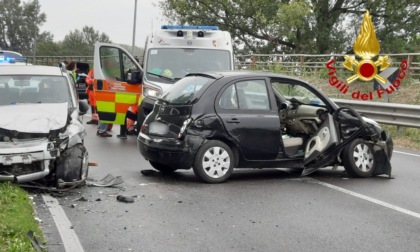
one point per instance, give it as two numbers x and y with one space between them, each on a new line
293 145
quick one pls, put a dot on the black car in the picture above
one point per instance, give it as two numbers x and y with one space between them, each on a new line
214 122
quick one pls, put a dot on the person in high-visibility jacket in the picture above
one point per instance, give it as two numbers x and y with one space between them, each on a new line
91 97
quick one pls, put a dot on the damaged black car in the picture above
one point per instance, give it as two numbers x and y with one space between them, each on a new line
215 122
41 135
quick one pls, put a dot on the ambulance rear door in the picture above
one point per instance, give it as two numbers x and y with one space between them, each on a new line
117 84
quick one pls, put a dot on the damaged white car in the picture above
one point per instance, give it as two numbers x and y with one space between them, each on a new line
41 135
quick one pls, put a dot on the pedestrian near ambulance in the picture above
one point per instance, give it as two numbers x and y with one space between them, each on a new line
91 98
72 68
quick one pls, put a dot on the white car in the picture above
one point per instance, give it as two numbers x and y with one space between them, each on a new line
41 135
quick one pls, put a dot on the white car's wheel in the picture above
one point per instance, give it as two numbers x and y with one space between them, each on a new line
214 162
358 159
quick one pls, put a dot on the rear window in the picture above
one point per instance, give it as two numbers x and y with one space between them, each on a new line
187 90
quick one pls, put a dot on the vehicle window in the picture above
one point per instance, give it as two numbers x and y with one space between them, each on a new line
188 90
174 63
34 89
297 92
110 62
229 100
252 95
128 65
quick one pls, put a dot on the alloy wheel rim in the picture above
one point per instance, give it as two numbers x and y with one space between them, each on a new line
363 157
216 162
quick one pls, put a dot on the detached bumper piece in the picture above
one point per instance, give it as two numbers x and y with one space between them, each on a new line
383 153
24 161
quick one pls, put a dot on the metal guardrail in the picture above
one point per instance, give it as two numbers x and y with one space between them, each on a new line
386 113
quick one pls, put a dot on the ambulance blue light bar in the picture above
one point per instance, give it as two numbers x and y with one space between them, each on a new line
190 27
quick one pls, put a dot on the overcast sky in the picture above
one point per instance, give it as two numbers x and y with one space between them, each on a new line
114 17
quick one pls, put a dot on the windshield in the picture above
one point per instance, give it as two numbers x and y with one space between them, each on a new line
170 64
187 91
33 89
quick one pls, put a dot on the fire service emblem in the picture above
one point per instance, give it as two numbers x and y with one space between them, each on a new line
368 66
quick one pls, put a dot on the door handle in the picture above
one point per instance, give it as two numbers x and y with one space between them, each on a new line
233 120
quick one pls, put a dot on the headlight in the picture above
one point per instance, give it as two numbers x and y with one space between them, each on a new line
151 92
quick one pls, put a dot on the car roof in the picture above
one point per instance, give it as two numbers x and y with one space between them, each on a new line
242 74
29 70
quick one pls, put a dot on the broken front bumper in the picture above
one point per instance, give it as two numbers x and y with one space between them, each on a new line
26 160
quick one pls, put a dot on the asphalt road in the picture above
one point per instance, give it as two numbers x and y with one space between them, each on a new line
256 210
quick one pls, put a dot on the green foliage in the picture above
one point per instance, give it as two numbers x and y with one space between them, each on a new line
302 26
19 24
17 218
81 42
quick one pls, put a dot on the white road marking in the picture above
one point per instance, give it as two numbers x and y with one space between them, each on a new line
68 235
367 198
406 153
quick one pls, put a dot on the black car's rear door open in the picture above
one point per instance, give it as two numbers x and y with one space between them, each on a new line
247 109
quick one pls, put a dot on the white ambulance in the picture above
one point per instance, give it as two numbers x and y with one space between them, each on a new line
169 54
174 51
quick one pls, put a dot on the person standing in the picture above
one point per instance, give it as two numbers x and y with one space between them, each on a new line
132 115
91 98
72 68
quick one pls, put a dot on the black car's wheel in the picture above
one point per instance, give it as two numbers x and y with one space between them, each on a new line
72 165
162 167
214 162
358 159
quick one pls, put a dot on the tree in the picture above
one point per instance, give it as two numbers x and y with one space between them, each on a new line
81 42
309 26
45 45
19 24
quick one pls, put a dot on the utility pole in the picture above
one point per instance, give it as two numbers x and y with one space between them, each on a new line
134 28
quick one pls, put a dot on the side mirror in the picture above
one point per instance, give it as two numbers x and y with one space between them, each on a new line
83 107
284 106
134 76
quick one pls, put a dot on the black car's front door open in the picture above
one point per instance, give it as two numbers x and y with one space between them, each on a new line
247 111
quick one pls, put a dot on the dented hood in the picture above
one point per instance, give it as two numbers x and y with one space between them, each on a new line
33 118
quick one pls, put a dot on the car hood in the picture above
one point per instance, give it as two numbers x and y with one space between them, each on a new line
33 118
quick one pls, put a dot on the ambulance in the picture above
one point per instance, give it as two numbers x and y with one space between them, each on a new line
169 54
175 51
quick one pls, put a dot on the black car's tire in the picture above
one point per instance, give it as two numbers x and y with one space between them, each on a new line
161 167
71 166
214 162
358 159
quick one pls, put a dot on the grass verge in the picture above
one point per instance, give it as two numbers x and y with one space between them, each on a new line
408 138
16 219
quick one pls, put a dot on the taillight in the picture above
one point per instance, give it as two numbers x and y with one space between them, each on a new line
144 128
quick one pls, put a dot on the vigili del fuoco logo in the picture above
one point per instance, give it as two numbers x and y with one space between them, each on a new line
365 68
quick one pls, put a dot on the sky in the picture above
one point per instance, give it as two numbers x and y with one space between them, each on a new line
113 17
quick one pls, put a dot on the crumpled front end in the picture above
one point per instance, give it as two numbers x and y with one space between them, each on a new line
26 160
31 154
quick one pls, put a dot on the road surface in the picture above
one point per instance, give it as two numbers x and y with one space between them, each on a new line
256 210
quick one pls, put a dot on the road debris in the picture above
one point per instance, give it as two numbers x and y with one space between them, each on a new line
108 181
149 172
82 199
125 199
34 242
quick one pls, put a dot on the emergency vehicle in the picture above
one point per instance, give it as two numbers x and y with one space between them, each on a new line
170 53
117 82
175 51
